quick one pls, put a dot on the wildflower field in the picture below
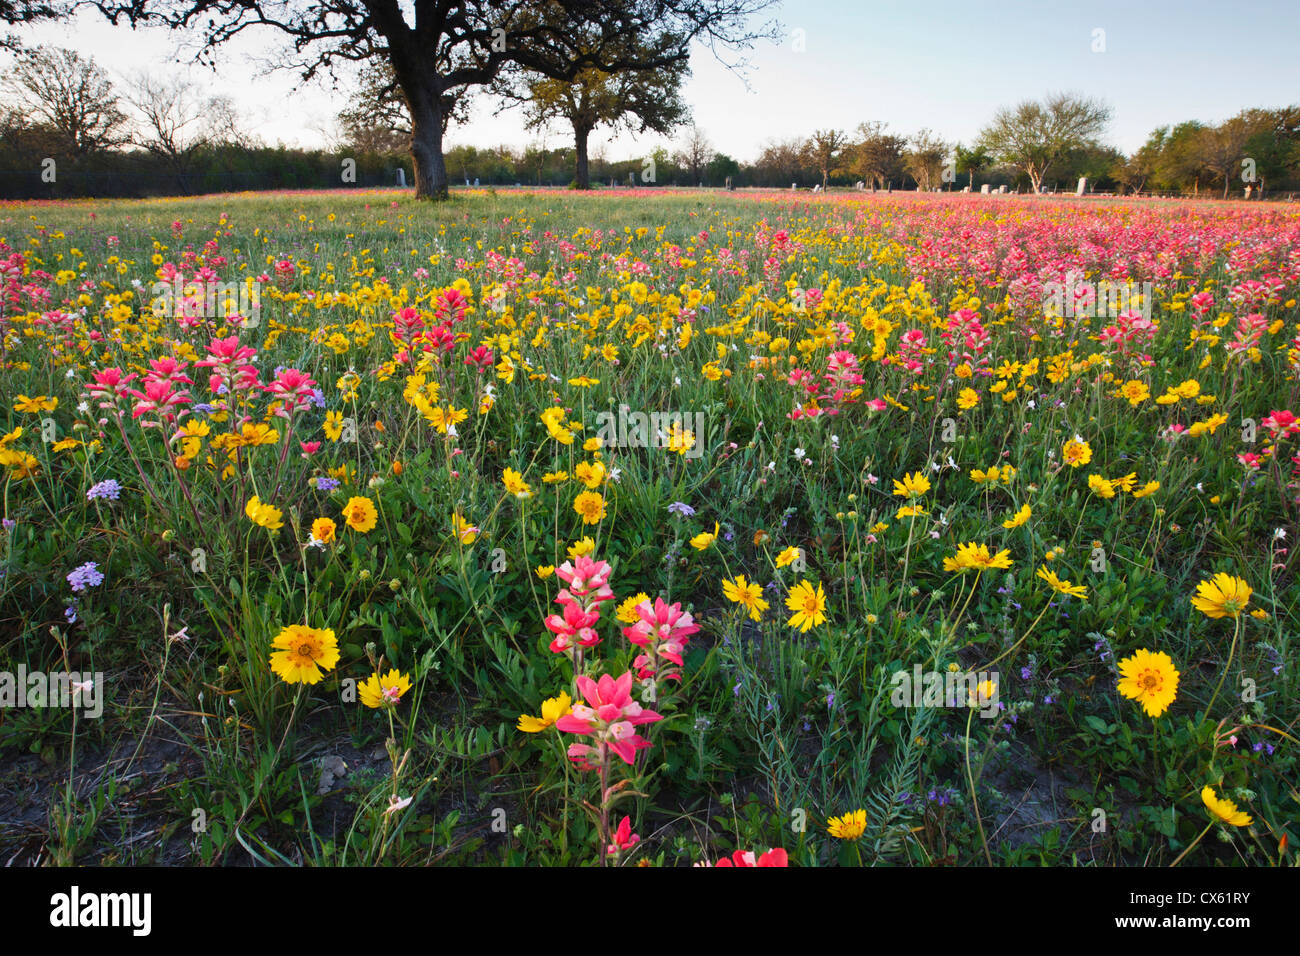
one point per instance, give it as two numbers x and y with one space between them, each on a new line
653 527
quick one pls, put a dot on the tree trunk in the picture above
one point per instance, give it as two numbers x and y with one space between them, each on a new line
425 106
582 174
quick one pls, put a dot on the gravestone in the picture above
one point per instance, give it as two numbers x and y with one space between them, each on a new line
984 190
859 185
1082 187
965 189
817 188
1002 189
793 187
401 177
730 186
475 180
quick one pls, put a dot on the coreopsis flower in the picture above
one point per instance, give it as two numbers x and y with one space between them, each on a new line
702 540
982 693
627 612
302 654
678 439
34 406
610 716
324 530
746 593
1150 679
787 556
515 484
1101 487
1062 586
21 464
264 515
553 419
466 532
776 857
977 556
1136 392
378 691
1127 483
1224 809
1149 488
1076 452
360 515
967 399
850 826
581 548
590 506
252 435
808 602
1222 596
912 486
553 708
590 474
544 571
911 511
333 425
1019 518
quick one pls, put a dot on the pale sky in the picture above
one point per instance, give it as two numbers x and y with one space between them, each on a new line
938 64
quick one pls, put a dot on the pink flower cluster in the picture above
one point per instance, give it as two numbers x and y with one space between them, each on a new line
587 588
663 631
610 717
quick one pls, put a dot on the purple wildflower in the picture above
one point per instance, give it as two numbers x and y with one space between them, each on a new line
108 490
88 575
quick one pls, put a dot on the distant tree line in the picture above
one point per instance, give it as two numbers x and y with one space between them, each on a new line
68 129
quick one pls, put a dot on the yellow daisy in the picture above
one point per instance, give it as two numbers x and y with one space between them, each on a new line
302 653
1149 679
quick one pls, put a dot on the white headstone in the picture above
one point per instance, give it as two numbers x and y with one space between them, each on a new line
1082 187
859 185
984 190
401 176
1002 189
793 187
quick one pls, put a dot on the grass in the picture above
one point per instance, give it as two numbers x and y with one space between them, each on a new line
204 755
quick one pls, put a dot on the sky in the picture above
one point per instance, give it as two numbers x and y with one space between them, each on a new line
913 64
